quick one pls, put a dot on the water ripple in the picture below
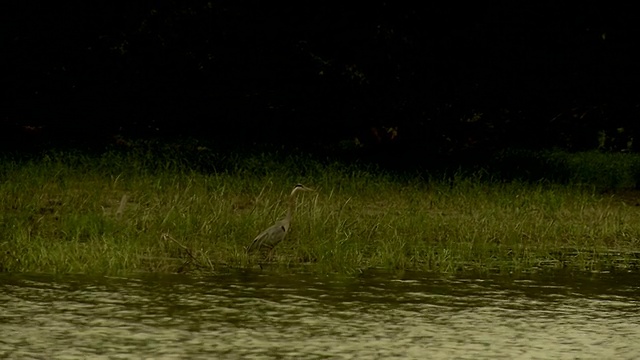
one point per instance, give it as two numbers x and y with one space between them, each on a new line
262 316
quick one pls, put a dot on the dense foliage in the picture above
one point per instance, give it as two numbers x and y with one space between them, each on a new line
383 76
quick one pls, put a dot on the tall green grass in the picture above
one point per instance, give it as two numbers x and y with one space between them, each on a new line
65 212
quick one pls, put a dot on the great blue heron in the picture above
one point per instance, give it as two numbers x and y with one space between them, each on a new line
273 235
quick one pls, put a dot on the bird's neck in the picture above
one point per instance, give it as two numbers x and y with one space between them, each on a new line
292 205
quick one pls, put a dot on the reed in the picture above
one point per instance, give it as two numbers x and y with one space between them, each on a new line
123 212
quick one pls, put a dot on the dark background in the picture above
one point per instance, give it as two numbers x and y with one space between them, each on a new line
385 78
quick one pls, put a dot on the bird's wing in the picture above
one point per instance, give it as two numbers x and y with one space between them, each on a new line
255 244
271 232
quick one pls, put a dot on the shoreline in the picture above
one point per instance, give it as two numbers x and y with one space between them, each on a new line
115 214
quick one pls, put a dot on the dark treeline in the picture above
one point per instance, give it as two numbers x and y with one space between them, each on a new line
380 76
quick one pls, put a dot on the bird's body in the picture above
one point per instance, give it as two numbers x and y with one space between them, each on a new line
274 234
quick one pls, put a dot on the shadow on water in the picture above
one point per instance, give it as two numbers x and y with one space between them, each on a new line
256 314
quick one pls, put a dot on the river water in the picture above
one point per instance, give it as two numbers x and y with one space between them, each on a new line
263 315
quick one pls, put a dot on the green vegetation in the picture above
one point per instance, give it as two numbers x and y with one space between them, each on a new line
152 210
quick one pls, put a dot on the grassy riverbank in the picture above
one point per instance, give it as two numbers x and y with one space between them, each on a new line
125 212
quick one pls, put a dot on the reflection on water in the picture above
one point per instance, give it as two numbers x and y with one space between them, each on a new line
265 315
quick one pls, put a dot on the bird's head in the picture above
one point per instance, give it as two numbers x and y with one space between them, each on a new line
300 187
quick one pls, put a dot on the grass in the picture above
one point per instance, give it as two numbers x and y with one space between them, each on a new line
123 212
